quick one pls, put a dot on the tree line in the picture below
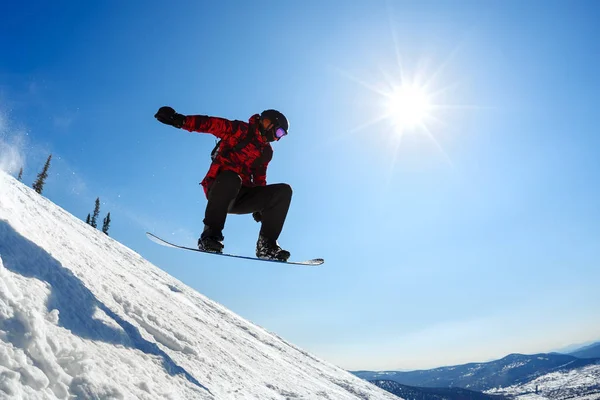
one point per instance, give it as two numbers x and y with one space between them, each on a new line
93 221
38 186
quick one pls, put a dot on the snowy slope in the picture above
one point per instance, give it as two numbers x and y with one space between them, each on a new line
580 383
82 316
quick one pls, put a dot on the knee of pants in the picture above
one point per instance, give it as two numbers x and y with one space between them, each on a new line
284 190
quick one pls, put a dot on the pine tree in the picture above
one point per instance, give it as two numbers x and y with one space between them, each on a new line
20 174
96 213
38 186
87 220
106 224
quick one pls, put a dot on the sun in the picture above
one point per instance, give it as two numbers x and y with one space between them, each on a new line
408 106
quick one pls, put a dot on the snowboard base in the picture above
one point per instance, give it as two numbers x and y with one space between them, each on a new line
312 263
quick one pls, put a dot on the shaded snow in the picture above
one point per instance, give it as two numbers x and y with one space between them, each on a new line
83 316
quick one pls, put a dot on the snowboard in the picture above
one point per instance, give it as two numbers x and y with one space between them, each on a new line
311 263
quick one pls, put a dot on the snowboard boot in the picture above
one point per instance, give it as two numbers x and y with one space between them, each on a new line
211 241
268 249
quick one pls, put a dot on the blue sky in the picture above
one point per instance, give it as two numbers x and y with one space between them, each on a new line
470 236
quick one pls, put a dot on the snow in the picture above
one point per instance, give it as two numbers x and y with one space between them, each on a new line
579 383
82 316
516 364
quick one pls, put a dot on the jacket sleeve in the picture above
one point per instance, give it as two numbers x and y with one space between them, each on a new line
220 127
259 174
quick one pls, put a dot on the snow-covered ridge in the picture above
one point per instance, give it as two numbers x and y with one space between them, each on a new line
509 376
83 316
580 383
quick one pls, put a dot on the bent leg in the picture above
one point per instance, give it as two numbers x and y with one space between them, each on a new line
273 201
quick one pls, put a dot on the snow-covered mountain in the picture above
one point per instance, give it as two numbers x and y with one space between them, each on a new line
579 383
514 369
82 316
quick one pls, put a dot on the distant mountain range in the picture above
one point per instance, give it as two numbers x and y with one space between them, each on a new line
418 393
590 351
514 369
572 347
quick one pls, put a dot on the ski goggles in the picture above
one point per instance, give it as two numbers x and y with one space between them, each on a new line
280 132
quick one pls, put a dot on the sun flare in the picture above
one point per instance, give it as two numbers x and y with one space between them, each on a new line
408 106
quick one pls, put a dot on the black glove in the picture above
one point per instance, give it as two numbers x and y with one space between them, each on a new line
257 215
168 116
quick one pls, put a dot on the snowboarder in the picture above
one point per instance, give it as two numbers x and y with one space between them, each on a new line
236 182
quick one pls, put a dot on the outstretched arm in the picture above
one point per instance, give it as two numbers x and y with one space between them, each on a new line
220 127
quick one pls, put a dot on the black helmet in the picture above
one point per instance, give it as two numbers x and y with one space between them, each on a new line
277 118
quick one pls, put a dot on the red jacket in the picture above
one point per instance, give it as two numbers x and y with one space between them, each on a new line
249 160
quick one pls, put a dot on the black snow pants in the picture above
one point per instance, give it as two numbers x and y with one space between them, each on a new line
227 195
